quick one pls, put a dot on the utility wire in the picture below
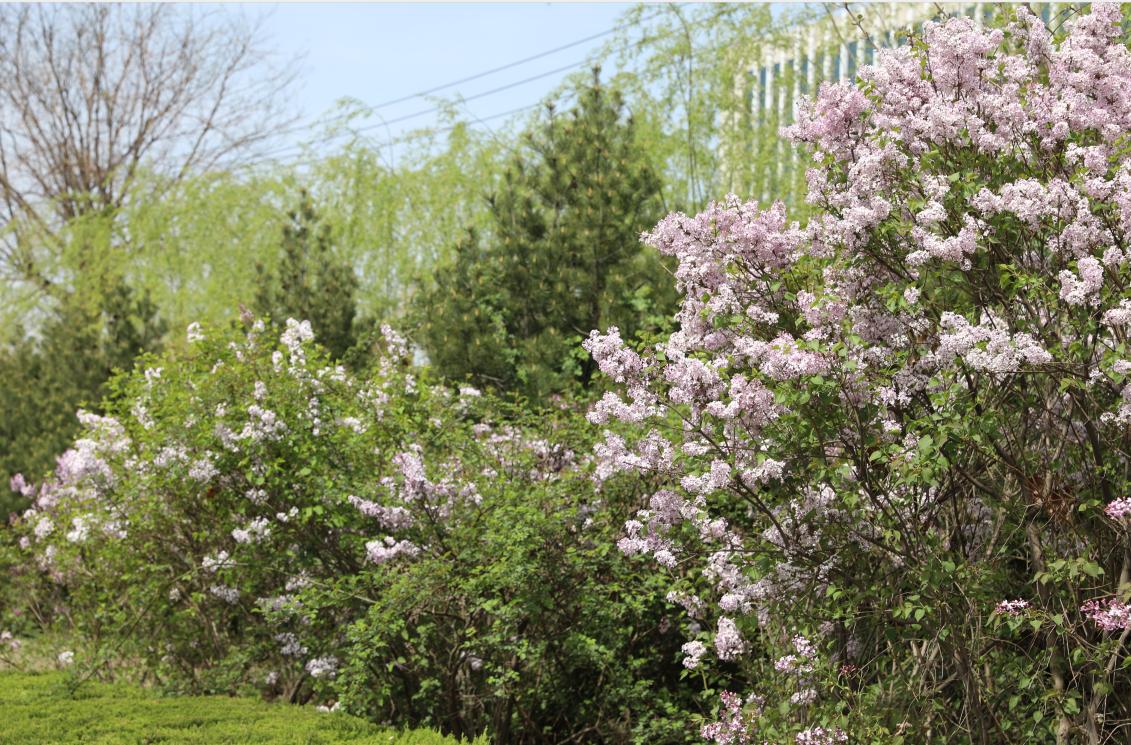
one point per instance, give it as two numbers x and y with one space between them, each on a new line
493 91
492 71
271 154
433 110
508 66
377 145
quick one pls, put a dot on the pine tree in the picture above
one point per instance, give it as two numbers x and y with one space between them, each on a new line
563 256
311 283
46 378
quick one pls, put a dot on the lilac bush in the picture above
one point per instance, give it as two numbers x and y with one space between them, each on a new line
248 517
898 432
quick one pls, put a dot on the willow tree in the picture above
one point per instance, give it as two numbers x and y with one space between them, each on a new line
92 96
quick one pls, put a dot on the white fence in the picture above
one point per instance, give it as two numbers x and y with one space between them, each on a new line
831 48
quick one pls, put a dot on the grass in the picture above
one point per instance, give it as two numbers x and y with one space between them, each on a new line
38 708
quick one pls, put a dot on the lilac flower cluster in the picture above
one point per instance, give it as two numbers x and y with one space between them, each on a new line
1012 607
1120 509
733 727
1112 615
788 423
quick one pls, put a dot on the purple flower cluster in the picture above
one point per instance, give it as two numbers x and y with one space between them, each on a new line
1012 607
1112 615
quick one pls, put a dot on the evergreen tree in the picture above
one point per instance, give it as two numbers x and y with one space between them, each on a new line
47 378
311 283
562 257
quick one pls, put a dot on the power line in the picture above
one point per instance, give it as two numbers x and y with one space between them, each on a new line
433 110
493 91
508 66
492 71
393 141
297 148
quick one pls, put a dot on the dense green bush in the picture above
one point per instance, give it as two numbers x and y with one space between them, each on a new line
248 517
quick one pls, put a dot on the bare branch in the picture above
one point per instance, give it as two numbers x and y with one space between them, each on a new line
92 95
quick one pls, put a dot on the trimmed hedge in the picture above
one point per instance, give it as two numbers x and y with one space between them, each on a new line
41 709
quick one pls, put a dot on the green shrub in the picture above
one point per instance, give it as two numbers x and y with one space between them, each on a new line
248 518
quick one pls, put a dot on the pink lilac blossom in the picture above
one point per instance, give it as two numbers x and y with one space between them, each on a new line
1112 615
1118 316
801 661
612 356
1012 607
988 347
745 346
1120 509
1083 289
732 727
390 518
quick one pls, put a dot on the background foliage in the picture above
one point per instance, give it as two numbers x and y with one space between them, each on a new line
560 254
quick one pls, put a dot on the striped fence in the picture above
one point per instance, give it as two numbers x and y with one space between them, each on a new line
760 163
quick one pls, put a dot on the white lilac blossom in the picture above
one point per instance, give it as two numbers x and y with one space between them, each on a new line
821 736
289 645
43 528
203 469
389 548
323 667
728 642
693 651
352 423
213 563
80 529
255 531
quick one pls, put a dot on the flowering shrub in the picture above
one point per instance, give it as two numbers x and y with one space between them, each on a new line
251 517
893 441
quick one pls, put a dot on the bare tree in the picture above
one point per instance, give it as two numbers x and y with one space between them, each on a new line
92 94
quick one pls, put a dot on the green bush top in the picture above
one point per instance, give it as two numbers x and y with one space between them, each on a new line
40 709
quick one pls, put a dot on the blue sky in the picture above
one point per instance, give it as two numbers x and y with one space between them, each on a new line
376 53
